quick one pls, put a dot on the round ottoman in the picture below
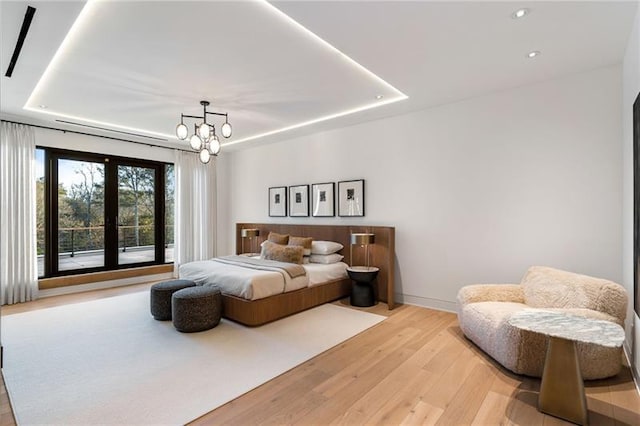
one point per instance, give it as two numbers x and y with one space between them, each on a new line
196 308
161 297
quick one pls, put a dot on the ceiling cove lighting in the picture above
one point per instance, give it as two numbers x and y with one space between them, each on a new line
204 139
316 120
520 13
82 22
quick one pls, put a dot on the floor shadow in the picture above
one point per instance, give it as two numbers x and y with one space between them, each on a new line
525 397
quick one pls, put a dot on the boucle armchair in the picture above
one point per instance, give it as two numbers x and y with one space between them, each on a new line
484 311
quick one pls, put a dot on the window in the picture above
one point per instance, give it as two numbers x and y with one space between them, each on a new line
169 211
40 192
136 214
80 214
97 212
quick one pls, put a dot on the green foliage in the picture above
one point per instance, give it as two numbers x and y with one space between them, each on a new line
81 208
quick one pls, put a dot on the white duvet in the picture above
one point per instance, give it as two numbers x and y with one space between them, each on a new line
252 284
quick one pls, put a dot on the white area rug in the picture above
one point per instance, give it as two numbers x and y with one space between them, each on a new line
109 362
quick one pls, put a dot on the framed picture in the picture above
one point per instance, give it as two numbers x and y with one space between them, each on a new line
351 198
322 196
299 201
278 201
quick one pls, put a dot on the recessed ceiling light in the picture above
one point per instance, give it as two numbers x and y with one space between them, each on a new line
533 54
82 22
378 97
42 106
520 13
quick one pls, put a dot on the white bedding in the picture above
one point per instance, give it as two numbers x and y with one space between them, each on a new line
321 273
252 284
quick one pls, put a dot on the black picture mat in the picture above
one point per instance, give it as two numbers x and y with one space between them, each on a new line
636 204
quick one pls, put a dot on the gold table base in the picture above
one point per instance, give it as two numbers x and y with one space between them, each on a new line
562 389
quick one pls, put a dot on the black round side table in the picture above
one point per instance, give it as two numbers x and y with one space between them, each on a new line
362 293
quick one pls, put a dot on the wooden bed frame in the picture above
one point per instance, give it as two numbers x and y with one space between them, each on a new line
261 311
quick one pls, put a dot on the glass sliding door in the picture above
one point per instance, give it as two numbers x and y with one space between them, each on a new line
40 210
136 214
100 213
80 219
169 209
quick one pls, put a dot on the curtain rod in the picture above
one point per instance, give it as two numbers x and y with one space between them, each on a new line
97 136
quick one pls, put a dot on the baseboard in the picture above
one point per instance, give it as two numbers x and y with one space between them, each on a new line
104 284
427 302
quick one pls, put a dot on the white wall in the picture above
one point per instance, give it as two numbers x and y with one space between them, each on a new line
630 89
78 142
477 190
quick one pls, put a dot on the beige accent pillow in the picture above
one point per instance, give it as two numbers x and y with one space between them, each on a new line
282 253
278 238
302 241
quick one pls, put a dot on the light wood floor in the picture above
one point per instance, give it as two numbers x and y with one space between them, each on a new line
416 367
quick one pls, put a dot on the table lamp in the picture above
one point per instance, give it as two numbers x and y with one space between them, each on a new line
252 234
362 239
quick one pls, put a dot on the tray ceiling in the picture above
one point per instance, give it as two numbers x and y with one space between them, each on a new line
305 65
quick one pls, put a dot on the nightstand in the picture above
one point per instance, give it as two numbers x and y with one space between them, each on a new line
362 293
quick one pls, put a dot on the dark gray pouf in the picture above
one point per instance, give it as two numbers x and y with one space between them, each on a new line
161 297
196 308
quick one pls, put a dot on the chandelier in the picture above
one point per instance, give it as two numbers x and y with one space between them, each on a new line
204 139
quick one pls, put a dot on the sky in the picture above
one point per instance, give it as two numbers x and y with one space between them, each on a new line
66 170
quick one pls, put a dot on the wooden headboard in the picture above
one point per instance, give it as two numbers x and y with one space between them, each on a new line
382 252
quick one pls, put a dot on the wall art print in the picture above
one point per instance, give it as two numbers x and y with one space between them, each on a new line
351 198
278 201
299 201
323 199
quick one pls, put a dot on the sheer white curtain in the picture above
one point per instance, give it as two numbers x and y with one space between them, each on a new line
18 263
195 218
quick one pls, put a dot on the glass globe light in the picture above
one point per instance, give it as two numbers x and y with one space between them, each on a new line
181 131
226 130
214 145
195 142
203 131
205 156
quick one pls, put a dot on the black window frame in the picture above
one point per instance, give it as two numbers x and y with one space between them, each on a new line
111 163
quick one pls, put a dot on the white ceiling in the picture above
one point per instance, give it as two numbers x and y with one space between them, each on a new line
138 65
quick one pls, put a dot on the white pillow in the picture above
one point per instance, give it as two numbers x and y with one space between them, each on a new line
325 247
326 258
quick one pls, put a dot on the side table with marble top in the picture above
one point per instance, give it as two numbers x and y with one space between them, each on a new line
562 388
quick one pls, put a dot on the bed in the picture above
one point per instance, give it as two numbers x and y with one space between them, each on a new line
254 293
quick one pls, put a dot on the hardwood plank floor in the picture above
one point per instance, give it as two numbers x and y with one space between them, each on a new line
416 367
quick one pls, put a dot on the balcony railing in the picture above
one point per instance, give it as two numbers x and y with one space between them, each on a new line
83 246
83 239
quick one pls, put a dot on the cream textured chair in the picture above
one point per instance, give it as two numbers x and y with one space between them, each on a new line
484 311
